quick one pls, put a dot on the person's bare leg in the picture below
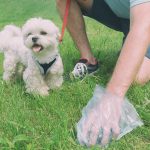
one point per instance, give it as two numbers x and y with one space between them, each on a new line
143 75
76 26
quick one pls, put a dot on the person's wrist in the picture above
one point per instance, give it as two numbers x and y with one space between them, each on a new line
116 91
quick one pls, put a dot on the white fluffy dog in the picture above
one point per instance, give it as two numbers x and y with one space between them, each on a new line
36 48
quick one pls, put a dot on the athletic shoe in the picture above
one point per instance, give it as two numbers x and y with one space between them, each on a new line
83 68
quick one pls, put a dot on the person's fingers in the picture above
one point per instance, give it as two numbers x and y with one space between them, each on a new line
80 137
116 131
84 127
106 136
82 131
93 134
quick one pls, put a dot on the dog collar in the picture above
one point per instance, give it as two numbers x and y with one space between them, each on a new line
46 66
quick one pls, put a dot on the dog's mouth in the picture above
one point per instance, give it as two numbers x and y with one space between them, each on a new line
37 48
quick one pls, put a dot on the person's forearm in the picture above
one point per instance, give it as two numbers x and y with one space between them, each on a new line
129 60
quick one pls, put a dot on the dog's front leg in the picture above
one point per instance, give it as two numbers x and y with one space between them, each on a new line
34 81
54 81
54 78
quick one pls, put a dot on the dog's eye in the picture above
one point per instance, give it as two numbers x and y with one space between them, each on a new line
29 34
43 33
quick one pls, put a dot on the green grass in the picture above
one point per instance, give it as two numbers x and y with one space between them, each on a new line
48 123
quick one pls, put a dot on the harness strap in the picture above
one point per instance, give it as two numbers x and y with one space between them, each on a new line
47 66
65 20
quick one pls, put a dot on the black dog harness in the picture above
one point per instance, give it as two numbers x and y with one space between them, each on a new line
47 66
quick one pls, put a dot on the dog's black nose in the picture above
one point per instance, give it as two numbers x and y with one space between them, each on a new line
34 39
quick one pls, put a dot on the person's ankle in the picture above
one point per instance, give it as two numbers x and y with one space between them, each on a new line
91 60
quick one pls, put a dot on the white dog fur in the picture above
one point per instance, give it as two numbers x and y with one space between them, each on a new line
36 44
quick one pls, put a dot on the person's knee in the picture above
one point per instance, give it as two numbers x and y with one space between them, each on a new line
140 80
59 3
85 4
143 75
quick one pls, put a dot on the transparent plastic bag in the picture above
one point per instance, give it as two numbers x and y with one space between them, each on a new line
128 120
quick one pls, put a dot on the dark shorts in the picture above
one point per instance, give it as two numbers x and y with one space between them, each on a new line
102 13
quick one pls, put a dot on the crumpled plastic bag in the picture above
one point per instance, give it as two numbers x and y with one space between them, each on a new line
129 119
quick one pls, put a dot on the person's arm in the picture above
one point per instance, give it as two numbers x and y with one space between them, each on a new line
100 121
133 51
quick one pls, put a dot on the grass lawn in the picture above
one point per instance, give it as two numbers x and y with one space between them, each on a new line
48 123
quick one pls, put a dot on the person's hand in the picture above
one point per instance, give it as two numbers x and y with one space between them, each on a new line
100 120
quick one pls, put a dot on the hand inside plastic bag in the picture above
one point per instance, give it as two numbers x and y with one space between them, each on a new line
105 117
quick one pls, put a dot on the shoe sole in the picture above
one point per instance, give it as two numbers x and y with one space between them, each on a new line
72 77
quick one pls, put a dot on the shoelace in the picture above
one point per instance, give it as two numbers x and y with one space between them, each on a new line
80 70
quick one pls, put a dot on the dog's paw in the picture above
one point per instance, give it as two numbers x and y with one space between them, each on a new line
56 83
8 79
43 91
